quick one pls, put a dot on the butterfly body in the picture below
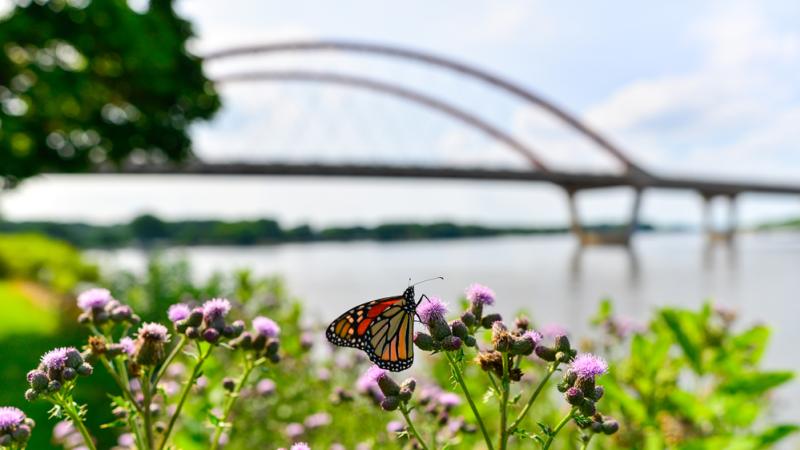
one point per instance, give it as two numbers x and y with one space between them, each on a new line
383 328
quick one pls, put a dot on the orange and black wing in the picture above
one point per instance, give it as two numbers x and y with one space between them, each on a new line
383 328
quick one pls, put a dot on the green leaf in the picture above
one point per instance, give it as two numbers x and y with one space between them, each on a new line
756 382
689 344
777 433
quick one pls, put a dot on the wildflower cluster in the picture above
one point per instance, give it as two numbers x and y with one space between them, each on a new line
206 322
99 308
15 428
57 368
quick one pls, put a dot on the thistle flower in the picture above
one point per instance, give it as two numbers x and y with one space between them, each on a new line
266 327
215 309
56 359
127 345
178 312
265 387
395 426
294 430
448 400
317 420
150 342
433 309
94 299
14 426
10 418
552 330
479 294
300 446
588 365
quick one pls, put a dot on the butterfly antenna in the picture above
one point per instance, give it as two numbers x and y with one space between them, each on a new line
429 279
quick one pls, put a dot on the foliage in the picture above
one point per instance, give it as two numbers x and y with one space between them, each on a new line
86 82
53 263
692 380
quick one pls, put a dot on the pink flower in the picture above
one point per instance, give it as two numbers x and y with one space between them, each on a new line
589 365
433 308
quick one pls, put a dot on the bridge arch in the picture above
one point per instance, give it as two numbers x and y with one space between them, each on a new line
493 80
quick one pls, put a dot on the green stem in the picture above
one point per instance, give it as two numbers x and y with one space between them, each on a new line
68 405
147 391
506 385
232 397
558 428
175 351
460 381
531 400
122 384
404 410
185 393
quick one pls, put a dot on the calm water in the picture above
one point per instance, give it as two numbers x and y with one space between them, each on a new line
546 276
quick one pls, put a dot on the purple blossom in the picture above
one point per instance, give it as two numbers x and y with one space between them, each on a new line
63 429
375 373
300 446
552 330
294 430
10 417
178 312
534 336
367 383
480 295
589 365
56 359
154 332
266 327
448 399
96 298
432 309
317 420
395 426
216 308
127 345
265 387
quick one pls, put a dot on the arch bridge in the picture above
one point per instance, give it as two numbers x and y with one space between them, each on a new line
633 175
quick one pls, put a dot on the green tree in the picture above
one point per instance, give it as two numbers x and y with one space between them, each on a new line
85 83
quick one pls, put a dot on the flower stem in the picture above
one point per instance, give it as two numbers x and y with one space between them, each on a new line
404 410
122 384
232 397
175 350
68 405
185 393
460 381
533 397
147 391
506 386
558 428
586 439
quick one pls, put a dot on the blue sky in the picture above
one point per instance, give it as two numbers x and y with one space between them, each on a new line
699 89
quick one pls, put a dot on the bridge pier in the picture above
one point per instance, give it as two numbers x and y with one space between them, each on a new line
727 233
587 237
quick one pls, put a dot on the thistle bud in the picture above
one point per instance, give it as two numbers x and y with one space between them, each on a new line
515 374
390 403
439 328
501 338
459 329
423 341
407 389
470 341
54 386
388 386
272 347
451 343
574 396
228 384
586 384
74 358
587 407
259 342
23 432
31 394
562 344
211 335
69 374
490 319
610 426
238 328
545 353
522 323
192 333
227 331
598 392
469 319
38 380
121 313
195 317
149 346
522 346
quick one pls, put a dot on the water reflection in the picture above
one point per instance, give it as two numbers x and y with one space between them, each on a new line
632 269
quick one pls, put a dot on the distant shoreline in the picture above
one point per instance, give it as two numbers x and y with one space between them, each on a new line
148 230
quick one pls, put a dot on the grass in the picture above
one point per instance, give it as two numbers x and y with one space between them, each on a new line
27 309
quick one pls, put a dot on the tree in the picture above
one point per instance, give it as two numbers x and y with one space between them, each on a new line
85 83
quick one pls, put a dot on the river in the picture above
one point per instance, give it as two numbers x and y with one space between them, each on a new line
548 276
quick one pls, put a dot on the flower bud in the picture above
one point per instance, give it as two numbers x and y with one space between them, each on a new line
610 426
31 394
192 333
451 343
390 403
229 384
586 384
211 335
501 338
574 396
227 331
246 340
54 386
100 317
438 327
149 346
181 326
459 329
388 386
522 346
85 369
85 318
38 380
121 313
490 319
272 347
23 432
598 392
597 427
545 353
119 412
195 317
407 389
562 344
259 342
515 374
274 358
74 358
570 377
423 341
238 328
6 440
587 407
476 309
522 323
470 341
69 374
469 319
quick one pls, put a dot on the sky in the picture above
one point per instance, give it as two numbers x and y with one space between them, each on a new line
703 89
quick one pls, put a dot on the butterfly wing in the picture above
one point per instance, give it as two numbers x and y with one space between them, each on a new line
382 328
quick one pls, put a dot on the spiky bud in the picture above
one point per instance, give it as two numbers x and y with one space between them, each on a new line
490 319
574 396
423 341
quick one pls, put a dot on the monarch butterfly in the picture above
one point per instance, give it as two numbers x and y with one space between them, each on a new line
383 328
